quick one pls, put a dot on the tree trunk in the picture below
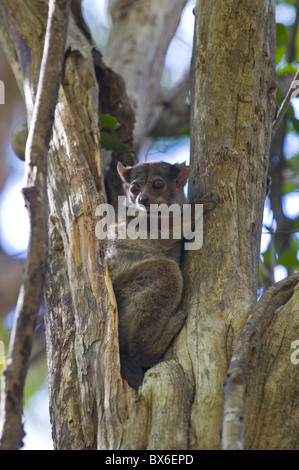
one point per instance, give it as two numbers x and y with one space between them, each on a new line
233 87
181 404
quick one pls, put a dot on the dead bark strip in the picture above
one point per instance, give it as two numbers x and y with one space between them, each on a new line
36 199
245 357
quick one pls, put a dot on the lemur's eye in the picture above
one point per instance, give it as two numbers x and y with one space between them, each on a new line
134 188
158 184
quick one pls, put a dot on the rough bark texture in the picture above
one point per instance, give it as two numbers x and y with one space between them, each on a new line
87 316
252 366
271 407
36 198
82 315
180 403
231 119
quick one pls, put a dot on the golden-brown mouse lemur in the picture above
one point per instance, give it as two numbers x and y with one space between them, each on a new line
145 271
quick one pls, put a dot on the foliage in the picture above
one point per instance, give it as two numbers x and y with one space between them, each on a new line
283 249
110 141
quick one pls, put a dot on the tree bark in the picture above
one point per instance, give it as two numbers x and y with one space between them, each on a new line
88 321
231 117
261 360
31 293
233 87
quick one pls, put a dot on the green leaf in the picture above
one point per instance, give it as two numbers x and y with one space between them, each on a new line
267 257
281 33
280 53
108 121
289 258
288 187
289 68
184 131
110 142
293 164
285 2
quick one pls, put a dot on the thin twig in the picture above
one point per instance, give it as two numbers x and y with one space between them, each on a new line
284 106
280 232
244 358
11 427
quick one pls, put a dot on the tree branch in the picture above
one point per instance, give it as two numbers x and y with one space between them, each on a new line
140 65
244 358
284 106
11 428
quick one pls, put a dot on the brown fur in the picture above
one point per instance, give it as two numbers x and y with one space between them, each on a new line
146 275
154 288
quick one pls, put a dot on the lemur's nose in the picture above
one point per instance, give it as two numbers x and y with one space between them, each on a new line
143 199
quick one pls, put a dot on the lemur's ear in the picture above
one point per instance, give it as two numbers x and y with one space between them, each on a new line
183 174
123 171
